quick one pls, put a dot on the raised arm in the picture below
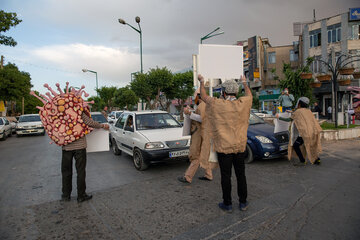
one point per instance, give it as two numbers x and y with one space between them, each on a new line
246 87
203 94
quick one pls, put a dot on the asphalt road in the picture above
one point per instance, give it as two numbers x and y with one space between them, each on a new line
286 202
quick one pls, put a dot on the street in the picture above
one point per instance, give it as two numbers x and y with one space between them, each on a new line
286 202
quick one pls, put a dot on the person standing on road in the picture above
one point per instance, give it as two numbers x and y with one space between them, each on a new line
228 123
199 145
305 130
317 109
286 100
76 150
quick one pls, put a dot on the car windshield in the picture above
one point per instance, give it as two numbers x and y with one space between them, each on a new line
255 119
99 118
1 122
33 118
156 121
118 115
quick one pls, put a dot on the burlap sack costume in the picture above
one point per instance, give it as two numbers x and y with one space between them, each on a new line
200 141
228 122
309 129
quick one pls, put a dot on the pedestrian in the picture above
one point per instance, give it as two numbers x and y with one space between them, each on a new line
304 131
317 109
105 112
199 144
286 100
77 150
329 112
229 120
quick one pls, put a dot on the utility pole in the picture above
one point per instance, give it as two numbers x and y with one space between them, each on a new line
2 62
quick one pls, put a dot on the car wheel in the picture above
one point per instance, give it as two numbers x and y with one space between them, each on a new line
250 156
3 138
115 148
139 162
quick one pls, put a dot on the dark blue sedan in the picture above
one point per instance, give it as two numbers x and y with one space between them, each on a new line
262 142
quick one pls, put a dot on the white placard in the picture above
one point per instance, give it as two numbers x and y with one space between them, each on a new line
221 61
281 126
98 141
186 125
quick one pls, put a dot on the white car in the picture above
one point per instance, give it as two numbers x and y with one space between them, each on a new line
153 136
29 124
262 114
13 123
114 116
5 128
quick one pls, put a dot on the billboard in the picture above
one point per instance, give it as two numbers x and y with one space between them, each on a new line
354 14
253 56
221 61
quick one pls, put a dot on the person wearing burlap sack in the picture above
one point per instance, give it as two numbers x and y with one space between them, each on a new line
199 145
228 123
305 132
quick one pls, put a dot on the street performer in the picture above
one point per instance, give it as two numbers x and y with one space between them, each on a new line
305 130
228 123
199 145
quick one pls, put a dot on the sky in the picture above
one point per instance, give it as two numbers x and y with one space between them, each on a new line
57 39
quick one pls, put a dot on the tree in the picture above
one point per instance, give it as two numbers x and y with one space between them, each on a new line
297 86
125 98
141 87
30 104
7 20
159 79
107 95
182 88
98 105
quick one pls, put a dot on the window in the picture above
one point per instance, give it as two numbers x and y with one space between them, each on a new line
293 56
316 65
121 121
272 57
334 33
315 38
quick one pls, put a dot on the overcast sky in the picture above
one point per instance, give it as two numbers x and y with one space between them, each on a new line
58 38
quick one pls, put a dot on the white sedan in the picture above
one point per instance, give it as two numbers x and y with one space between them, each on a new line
148 136
5 128
30 124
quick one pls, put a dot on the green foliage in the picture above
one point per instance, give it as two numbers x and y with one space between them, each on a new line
30 104
297 86
107 95
14 84
7 20
125 98
98 105
256 101
141 86
331 126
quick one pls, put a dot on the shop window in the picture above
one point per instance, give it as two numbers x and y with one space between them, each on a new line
272 57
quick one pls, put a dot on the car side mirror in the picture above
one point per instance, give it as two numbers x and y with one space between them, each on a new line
128 128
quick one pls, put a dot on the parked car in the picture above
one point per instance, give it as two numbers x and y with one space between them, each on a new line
114 116
262 142
98 117
262 114
13 122
5 128
30 124
152 136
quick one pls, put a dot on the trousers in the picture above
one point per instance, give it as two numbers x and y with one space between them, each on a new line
193 167
226 161
67 171
298 142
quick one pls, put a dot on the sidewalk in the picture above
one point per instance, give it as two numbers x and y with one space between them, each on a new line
286 202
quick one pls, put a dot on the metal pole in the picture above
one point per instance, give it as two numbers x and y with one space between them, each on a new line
97 93
141 61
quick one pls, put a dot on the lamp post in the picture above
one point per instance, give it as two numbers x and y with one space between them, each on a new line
342 61
210 35
137 19
87 70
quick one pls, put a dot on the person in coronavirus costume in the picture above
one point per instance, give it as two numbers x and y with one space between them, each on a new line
67 121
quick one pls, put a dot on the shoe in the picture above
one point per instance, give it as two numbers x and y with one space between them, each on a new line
204 178
225 208
317 161
183 180
65 198
243 206
84 198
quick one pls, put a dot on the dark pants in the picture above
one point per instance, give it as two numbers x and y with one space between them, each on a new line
226 161
299 141
66 171
284 109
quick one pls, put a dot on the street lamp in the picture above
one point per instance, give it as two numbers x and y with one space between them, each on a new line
137 19
342 61
87 70
209 35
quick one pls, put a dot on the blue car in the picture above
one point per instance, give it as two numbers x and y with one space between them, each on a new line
262 142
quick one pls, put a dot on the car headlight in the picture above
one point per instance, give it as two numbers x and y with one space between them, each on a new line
39 126
153 145
19 127
263 139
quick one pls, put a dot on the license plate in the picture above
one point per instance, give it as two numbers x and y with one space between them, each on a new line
283 147
179 153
